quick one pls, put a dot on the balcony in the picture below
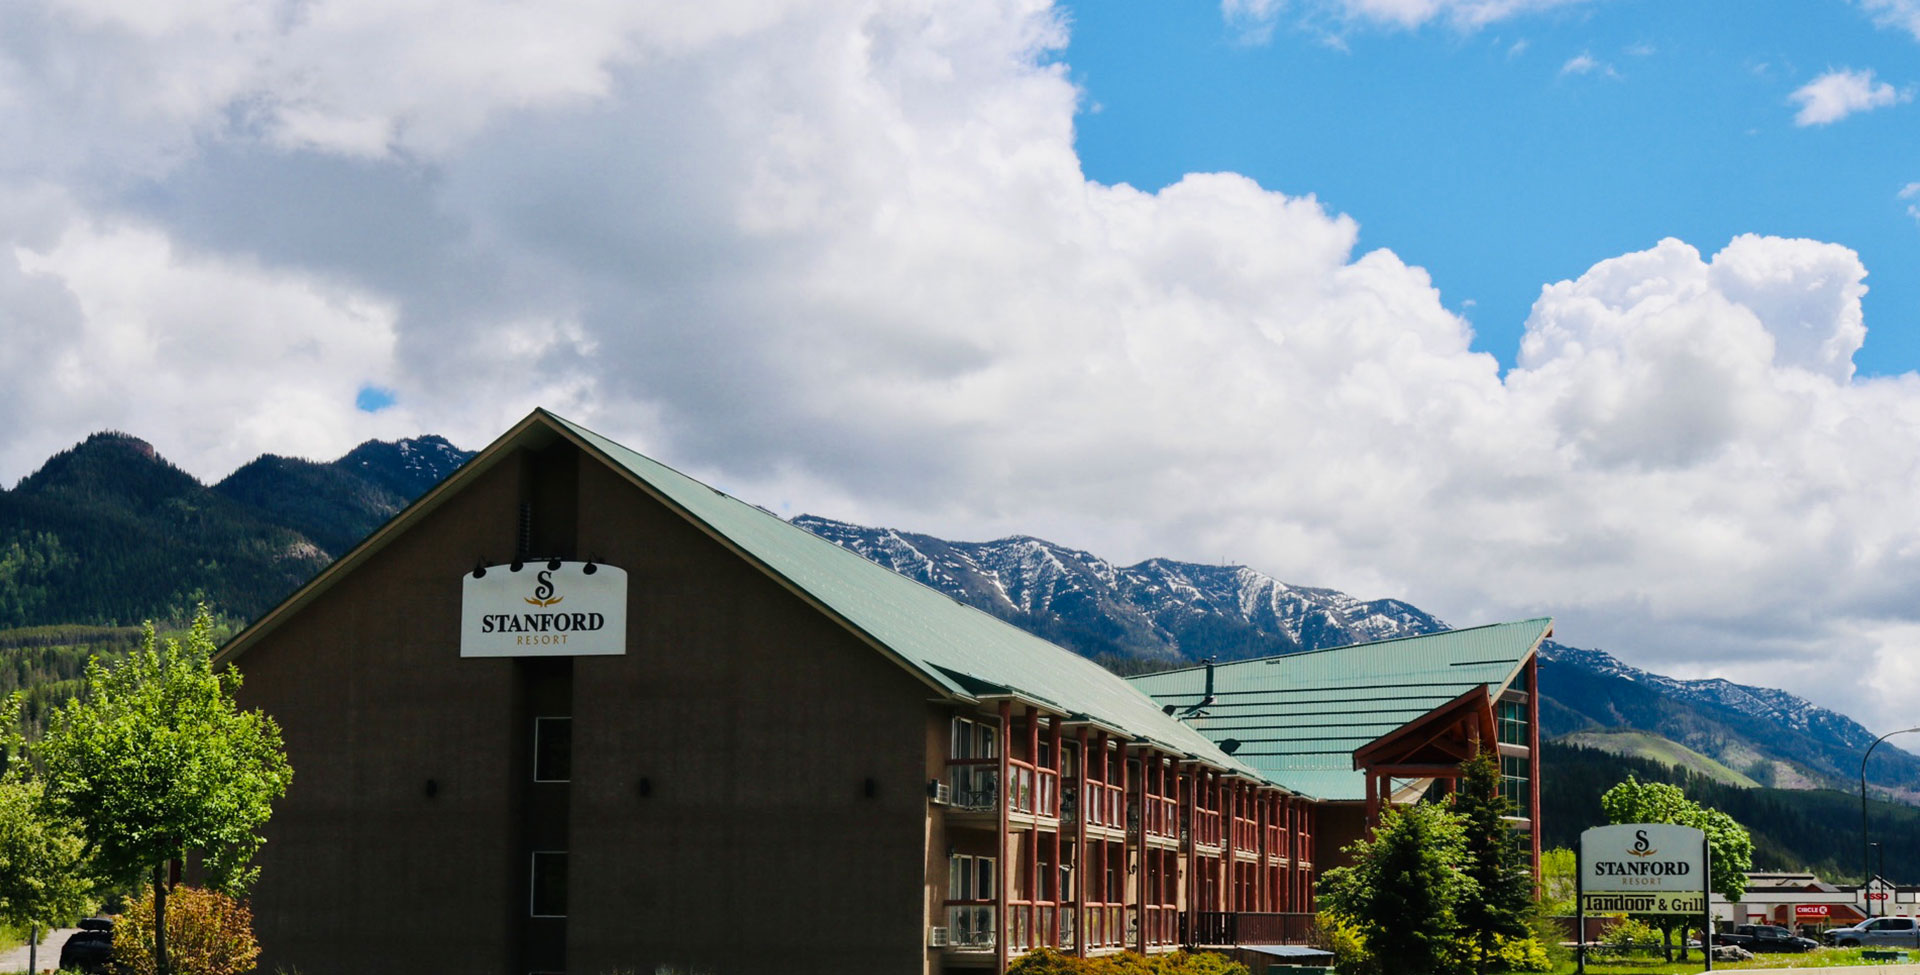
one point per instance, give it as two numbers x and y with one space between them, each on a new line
974 786
1030 926
1246 834
1107 926
1162 925
1103 805
970 927
1205 828
1162 817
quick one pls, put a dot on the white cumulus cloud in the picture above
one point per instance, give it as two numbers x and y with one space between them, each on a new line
1258 17
1840 93
841 257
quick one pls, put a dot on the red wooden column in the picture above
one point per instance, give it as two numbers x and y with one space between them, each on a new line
1533 758
1262 815
1080 857
1229 797
1033 831
1293 855
1059 799
1003 873
1139 883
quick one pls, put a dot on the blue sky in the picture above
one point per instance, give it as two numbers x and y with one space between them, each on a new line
1481 156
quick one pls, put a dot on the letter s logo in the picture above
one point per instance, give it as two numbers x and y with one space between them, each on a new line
543 593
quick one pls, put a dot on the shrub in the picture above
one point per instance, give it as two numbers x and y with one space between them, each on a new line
1197 963
208 933
1046 961
1629 935
1521 955
1332 932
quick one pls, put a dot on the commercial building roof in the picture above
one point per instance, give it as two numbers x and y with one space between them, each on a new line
1300 717
964 652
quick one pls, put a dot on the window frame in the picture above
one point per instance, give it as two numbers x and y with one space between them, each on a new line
536 747
533 883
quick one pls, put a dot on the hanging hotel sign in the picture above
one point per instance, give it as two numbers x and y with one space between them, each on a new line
1643 868
543 609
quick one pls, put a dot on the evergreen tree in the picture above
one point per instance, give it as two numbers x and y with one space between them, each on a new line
1405 889
1493 860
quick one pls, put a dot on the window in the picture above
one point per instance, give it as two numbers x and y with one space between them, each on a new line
973 739
970 878
552 749
1513 783
549 896
1513 723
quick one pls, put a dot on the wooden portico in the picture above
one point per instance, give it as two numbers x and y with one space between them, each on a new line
1432 746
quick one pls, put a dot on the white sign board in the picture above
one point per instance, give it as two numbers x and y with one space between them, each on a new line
546 609
1643 868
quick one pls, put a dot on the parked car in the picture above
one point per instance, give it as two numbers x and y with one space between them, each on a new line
1765 937
89 949
1897 932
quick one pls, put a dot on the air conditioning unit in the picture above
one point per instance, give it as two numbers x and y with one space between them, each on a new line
941 793
936 937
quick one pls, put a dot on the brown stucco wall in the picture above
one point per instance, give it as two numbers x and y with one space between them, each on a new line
755 721
1336 826
362 871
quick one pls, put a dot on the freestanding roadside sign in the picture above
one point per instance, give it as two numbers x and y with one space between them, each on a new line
1643 868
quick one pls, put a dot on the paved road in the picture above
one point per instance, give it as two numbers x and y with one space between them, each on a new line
15 960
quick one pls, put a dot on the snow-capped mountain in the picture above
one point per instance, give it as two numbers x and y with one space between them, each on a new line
405 467
1765 703
1156 609
1159 612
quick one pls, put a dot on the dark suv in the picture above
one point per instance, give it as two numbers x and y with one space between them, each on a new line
89 949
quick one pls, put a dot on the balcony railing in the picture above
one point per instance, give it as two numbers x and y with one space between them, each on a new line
1162 817
1246 834
970 927
1102 804
1106 805
974 784
1206 827
1030 927
1277 841
1106 926
1246 928
1162 924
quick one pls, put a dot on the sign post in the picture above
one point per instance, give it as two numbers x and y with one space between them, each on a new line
1644 868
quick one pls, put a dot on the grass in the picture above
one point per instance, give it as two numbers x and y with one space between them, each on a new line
1650 746
1817 958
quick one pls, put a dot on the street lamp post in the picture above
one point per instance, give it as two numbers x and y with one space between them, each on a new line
1866 862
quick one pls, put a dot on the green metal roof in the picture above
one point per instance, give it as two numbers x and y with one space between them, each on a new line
968 653
1299 717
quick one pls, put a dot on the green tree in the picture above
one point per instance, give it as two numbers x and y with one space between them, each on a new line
155 761
1559 869
41 878
1493 860
1728 843
1405 888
